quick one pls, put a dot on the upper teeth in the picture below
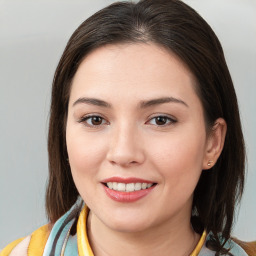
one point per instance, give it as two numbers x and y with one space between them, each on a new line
128 187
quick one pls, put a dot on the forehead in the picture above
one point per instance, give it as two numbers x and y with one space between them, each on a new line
134 69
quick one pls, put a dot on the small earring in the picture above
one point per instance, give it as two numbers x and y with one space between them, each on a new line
210 162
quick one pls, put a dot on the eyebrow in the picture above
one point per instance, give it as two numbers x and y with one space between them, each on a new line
153 102
92 101
142 104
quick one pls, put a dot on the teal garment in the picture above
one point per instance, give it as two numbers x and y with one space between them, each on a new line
71 248
236 250
60 238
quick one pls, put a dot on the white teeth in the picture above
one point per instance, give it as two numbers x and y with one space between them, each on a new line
120 186
137 186
129 187
115 185
110 185
144 185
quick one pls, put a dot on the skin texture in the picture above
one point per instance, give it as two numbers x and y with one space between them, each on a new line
129 142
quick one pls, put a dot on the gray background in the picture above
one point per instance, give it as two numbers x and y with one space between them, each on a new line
33 35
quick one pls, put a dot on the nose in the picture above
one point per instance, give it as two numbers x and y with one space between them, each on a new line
125 147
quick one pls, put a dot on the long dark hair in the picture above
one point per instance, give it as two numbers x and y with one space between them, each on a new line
177 27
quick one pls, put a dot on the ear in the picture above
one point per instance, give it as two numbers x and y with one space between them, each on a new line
215 143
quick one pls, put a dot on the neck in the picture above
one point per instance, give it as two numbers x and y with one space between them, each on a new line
175 237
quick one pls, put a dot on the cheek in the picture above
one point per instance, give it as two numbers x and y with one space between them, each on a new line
85 153
179 158
85 157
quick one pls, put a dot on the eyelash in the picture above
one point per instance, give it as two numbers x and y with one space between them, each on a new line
170 120
84 120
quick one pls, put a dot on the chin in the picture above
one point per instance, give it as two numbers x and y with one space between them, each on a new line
128 223
128 227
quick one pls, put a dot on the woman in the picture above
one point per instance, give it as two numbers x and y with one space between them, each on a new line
146 151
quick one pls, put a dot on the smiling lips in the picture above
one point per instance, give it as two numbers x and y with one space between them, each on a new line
127 189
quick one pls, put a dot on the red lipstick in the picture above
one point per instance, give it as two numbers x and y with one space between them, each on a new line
125 197
126 180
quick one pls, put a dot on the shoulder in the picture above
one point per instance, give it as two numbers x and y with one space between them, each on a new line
29 245
248 247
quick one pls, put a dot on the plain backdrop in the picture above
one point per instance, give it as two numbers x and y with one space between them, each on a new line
33 35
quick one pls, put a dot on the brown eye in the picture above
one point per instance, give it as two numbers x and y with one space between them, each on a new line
92 121
162 120
96 120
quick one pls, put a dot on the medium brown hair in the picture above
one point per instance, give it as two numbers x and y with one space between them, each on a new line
178 28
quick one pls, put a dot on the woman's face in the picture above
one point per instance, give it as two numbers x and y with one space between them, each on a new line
136 136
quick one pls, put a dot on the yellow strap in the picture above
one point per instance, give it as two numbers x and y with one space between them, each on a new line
84 248
38 241
7 250
199 245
